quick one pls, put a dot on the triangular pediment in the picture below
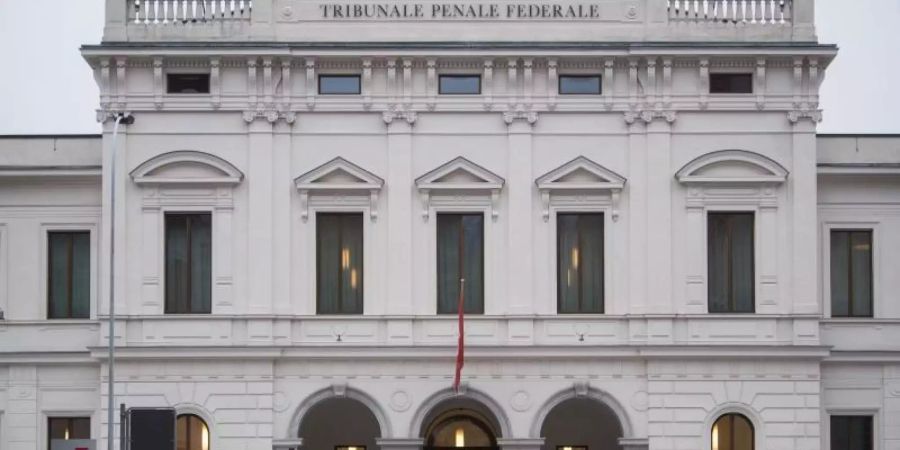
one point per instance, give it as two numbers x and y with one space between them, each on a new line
339 174
186 167
460 173
732 166
580 174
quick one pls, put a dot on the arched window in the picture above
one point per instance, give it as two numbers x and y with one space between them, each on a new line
732 432
191 433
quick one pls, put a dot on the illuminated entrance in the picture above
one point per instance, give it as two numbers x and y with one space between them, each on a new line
460 429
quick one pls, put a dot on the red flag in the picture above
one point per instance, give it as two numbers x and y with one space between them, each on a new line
460 348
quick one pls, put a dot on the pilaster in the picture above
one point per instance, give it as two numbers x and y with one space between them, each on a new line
519 220
399 187
281 217
637 216
659 216
260 215
804 202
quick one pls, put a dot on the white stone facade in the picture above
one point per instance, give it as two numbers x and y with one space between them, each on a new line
263 152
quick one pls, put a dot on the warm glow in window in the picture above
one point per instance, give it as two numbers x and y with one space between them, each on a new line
732 432
191 433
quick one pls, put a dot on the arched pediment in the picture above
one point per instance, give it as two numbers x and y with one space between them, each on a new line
186 167
732 166
460 173
339 176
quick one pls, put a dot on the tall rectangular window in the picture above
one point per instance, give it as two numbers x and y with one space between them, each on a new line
339 258
851 273
69 275
730 258
188 263
460 254
579 257
851 433
68 428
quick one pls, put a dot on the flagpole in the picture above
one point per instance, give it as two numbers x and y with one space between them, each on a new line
460 345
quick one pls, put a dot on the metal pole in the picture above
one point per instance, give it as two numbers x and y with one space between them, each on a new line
111 406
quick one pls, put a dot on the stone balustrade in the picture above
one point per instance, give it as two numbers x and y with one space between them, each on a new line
731 12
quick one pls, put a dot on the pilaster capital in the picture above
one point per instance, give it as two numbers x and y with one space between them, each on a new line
106 114
271 115
399 112
520 112
813 115
648 115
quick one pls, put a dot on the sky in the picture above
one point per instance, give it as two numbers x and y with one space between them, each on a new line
47 88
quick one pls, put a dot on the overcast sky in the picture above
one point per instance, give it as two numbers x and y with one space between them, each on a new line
46 88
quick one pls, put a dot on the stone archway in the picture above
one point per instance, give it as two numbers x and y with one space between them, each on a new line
460 421
584 417
339 416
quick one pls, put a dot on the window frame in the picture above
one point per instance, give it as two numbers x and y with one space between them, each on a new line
49 276
720 72
170 73
362 218
165 213
45 229
484 219
338 75
874 412
199 417
756 254
732 414
77 414
559 84
825 263
850 299
557 282
479 76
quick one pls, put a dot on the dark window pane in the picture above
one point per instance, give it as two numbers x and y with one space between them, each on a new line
580 263
730 257
459 84
730 83
460 254
187 83
579 84
851 433
339 84
67 428
851 273
339 263
188 263
191 433
732 432
69 274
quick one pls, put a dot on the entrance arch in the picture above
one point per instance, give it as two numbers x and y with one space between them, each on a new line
470 421
350 418
582 418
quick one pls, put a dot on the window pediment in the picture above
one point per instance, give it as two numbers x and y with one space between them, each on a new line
580 176
732 166
186 167
460 177
341 178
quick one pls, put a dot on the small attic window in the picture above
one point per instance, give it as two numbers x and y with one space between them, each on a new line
187 83
730 83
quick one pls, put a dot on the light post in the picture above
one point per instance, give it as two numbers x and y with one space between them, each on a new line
127 119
